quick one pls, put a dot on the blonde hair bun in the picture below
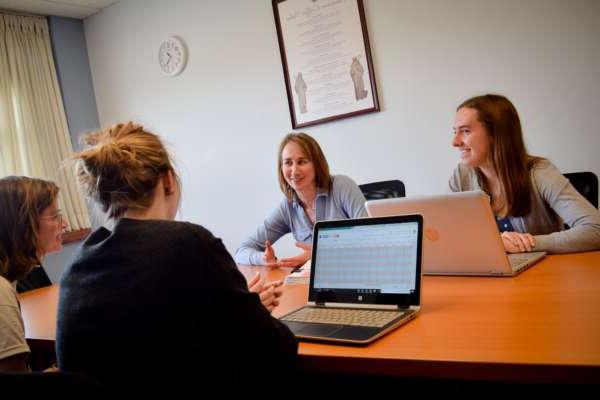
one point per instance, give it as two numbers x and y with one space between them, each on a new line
121 166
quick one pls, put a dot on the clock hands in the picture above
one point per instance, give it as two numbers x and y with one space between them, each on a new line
172 56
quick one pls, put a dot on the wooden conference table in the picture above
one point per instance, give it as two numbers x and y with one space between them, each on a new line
541 326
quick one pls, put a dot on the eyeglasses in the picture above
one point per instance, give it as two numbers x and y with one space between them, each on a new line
58 217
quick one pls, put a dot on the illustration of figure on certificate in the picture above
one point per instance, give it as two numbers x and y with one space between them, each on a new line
300 88
356 72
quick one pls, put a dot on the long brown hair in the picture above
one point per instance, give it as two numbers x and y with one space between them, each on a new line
122 167
313 151
22 201
509 156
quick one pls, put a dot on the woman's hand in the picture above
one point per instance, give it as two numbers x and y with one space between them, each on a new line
269 293
289 262
269 255
515 242
300 259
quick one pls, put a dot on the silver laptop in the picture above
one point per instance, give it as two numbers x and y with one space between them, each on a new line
461 236
365 279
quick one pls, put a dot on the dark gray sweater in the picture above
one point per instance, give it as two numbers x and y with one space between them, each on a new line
162 304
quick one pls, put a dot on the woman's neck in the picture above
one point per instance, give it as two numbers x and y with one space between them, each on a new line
152 212
495 190
307 197
158 209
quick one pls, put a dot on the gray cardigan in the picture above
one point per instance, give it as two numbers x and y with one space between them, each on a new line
554 200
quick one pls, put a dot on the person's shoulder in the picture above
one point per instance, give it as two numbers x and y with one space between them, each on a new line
96 236
547 178
463 178
207 245
195 229
8 293
540 164
284 206
543 170
342 181
182 230
463 170
161 227
4 283
171 234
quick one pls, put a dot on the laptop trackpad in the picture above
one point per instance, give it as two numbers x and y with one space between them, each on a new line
318 330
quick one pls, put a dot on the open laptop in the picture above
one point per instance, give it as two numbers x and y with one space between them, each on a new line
365 280
461 236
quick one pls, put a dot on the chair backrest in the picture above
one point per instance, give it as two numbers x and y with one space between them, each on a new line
383 189
37 278
586 183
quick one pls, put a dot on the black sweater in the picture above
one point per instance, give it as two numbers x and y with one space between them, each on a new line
162 304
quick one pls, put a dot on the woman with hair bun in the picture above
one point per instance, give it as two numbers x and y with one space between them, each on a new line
157 303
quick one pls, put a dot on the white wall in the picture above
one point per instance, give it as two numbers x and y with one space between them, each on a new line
226 113
56 263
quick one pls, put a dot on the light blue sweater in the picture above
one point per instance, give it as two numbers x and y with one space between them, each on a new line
345 200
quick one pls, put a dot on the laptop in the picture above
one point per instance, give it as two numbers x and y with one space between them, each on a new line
461 236
365 280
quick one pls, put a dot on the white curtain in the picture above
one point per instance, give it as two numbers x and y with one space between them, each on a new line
34 138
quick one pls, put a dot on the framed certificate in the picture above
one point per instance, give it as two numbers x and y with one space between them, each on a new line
326 59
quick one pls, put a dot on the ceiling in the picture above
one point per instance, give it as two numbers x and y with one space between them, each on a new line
79 9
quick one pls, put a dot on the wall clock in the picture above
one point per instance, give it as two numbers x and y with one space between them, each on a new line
172 56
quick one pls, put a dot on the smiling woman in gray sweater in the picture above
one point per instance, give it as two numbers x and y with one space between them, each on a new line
529 196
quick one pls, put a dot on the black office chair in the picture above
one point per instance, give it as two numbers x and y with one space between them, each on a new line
586 183
383 189
37 278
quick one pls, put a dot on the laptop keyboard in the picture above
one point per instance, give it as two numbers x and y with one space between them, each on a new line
344 316
520 260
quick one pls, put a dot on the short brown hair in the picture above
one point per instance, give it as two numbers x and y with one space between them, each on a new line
22 201
313 151
122 167
509 156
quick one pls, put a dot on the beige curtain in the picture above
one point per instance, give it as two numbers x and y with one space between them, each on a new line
34 138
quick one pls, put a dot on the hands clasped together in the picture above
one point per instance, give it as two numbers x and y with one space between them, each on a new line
269 292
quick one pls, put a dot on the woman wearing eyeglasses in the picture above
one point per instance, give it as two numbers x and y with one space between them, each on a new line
30 227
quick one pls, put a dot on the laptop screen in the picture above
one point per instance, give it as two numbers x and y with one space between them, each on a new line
374 260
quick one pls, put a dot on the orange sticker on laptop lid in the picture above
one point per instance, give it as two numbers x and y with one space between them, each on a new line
432 234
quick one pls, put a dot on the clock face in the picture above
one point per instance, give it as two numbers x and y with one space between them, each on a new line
172 56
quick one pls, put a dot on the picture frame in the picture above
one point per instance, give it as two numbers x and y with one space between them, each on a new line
326 60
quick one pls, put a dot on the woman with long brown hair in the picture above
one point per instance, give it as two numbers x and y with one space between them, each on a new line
31 226
530 197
